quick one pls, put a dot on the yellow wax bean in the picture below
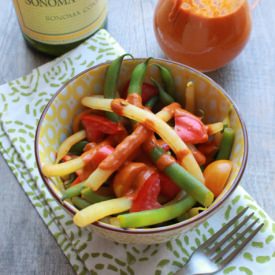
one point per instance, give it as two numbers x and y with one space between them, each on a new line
68 143
100 210
214 128
195 211
97 178
63 169
190 97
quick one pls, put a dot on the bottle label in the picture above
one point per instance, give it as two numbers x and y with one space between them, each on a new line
60 21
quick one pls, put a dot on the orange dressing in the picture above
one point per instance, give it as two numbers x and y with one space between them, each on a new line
149 124
171 108
125 149
204 34
118 105
135 99
164 161
182 154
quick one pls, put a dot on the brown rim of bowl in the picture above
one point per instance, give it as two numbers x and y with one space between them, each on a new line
182 224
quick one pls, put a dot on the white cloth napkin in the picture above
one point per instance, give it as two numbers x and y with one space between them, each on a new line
22 102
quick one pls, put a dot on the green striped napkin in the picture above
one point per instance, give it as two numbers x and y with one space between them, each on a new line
87 252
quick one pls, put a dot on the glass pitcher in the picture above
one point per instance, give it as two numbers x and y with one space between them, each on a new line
204 34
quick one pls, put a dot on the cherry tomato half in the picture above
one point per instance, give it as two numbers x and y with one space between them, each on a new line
216 175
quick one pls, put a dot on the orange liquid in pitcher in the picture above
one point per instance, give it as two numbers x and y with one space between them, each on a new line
204 34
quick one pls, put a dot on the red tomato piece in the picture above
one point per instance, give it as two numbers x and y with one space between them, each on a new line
209 150
77 119
102 153
93 160
147 195
97 126
189 127
148 91
167 187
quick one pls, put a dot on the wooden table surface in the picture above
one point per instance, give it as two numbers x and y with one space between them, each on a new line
26 246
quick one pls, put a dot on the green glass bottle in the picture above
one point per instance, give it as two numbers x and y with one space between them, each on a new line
56 26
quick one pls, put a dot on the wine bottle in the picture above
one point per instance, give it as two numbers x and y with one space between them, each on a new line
56 26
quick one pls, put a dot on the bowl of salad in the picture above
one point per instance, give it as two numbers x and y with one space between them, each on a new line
141 150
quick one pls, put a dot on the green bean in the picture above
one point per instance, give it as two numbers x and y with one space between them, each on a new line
165 98
70 180
156 216
73 191
183 179
226 121
156 153
112 76
189 183
77 149
226 144
168 80
92 197
80 203
151 102
110 84
137 77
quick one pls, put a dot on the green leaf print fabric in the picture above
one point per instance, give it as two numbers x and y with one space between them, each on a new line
22 102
